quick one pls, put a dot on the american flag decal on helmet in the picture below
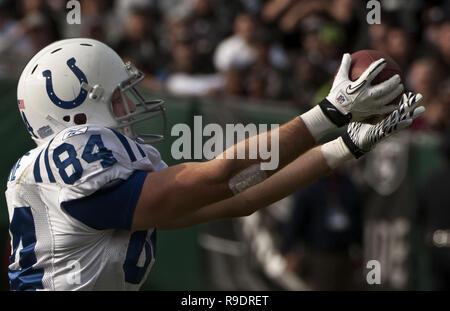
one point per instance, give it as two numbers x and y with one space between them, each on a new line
21 104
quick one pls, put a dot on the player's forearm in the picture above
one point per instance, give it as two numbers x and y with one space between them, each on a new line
200 184
304 170
284 145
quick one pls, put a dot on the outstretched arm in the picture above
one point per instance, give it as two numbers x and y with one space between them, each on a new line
304 170
181 190
314 164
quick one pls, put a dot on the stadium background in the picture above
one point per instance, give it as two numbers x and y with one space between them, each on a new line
265 62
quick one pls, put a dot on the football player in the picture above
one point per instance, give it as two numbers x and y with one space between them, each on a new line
86 203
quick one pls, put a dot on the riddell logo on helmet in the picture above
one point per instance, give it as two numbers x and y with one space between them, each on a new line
74 15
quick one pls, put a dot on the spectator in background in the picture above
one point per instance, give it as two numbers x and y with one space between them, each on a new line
175 8
443 43
263 80
306 79
377 37
290 13
391 212
22 38
98 14
238 49
431 19
399 46
426 75
174 30
332 38
323 233
94 29
31 6
39 31
207 30
184 77
234 82
10 29
139 45
123 8
57 6
138 42
322 43
434 201
438 112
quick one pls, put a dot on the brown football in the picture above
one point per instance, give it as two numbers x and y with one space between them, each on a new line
362 59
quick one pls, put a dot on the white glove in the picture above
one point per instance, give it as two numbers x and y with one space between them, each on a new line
360 138
359 100
353 101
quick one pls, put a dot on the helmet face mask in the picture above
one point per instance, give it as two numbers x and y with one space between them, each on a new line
49 84
143 109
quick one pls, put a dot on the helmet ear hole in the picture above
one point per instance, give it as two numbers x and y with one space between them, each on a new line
66 118
80 118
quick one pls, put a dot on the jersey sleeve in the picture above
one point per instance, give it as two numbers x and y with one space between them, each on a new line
100 173
110 207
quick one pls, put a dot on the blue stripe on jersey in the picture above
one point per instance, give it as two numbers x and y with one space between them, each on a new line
140 150
134 273
12 174
26 279
37 169
47 164
126 145
111 207
23 234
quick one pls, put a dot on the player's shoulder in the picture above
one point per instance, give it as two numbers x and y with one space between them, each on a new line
87 138
79 133
20 166
88 153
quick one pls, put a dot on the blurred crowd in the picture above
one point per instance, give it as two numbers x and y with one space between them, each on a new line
286 52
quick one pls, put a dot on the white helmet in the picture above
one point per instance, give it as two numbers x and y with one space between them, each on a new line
72 82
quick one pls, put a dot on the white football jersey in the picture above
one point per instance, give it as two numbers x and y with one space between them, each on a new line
53 249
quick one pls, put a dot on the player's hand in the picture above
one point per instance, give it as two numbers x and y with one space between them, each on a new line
359 100
362 137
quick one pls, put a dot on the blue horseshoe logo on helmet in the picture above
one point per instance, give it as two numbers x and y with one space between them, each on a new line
51 93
